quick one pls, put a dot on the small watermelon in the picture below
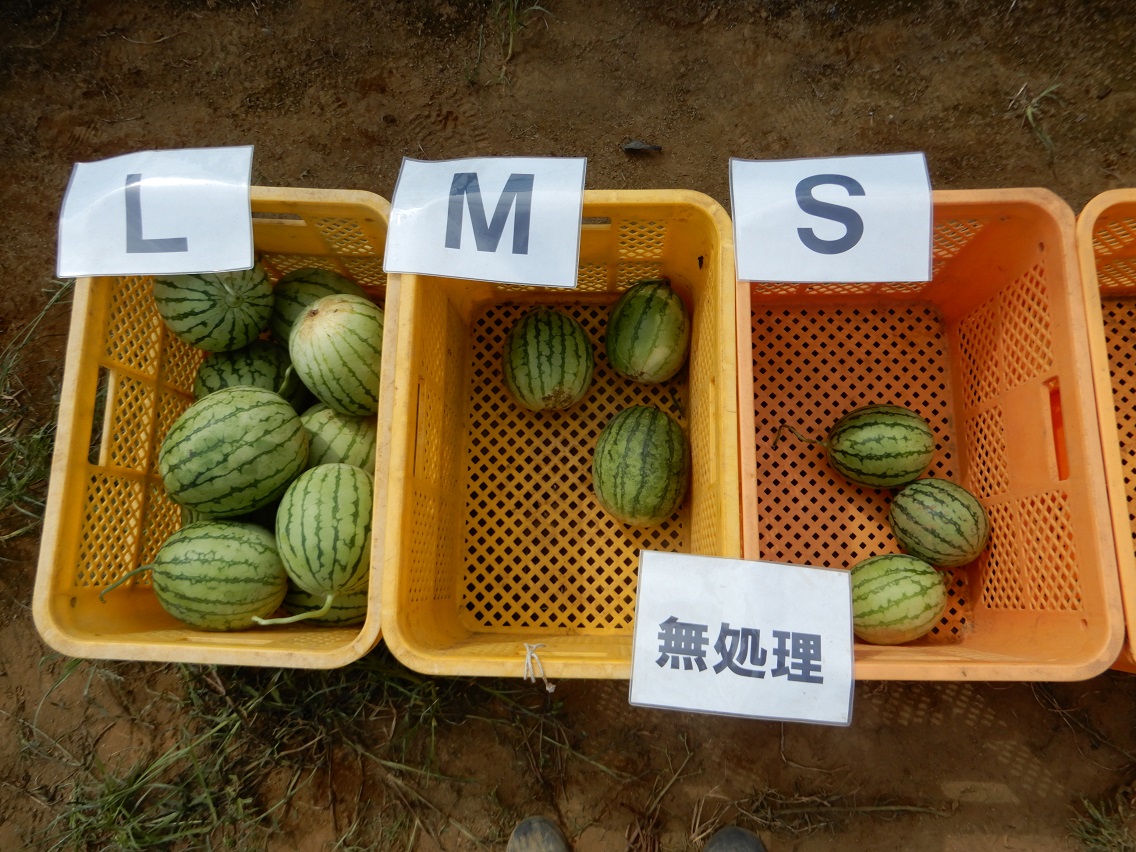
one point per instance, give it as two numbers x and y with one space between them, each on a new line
881 446
896 598
339 437
217 575
323 531
641 466
939 522
218 311
547 360
296 290
345 610
232 452
261 364
648 332
336 348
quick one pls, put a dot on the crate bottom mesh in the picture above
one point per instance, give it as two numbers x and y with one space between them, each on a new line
811 365
538 552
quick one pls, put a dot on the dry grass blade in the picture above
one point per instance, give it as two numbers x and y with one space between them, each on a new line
1077 720
643 832
801 815
1107 827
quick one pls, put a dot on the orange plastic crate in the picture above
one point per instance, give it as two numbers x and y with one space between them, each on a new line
501 544
993 352
126 380
1106 247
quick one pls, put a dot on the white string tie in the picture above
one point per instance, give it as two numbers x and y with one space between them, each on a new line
533 665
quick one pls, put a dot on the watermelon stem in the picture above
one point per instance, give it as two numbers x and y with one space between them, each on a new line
122 580
288 384
780 433
313 613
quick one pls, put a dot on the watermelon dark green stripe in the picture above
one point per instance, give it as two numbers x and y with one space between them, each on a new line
233 451
323 529
648 332
215 311
336 348
895 598
882 446
298 289
940 522
547 360
641 466
218 575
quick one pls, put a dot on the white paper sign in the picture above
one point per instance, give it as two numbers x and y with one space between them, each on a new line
158 212
839 219
513 220
743 638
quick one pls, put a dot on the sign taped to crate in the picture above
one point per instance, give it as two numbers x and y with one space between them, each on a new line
158 212
513 220
742 638
832 220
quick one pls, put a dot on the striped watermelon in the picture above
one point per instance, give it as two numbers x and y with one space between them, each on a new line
232 452
648 332
339 437
296 290
547 360
265 516
323 530
939 522
336 349
881 446
641 466
261 364
218 311
896 598
345 609
218 575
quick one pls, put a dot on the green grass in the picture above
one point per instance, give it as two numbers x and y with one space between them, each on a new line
1107 826
27 432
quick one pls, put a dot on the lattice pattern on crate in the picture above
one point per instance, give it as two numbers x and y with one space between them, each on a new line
955 623
1031 562
1120 336
986 444
131 422
641 240
628 272
437 358
704 416
539 552
108 547
1007 341
1113 236
1117 275
367 272
346 237
133 327
161 519
170 405
1028 341
812 365
590 278
179 363
951 237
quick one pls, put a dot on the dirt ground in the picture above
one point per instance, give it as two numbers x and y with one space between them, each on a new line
333 94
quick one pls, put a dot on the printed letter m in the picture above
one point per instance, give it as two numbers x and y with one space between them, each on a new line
488 234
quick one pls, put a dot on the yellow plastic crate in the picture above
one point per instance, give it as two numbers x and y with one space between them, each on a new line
994 352
498 541
1106 247
126 380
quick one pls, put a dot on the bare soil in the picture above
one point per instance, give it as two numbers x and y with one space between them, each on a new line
333 94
